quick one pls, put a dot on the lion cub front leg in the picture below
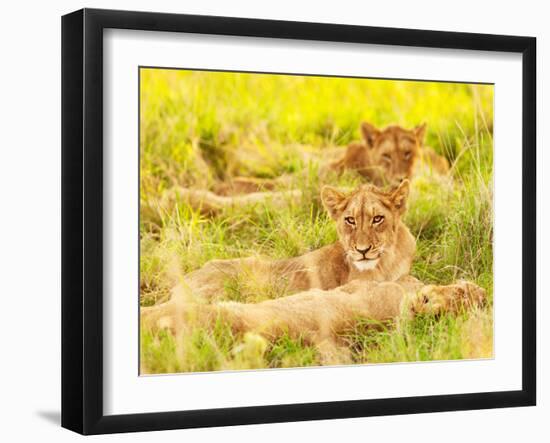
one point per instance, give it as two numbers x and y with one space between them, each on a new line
433 299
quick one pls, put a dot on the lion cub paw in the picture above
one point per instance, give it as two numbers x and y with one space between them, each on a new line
157 318
435 299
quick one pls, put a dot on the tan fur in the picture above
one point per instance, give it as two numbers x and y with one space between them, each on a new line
209 203
390 155
319 316
334 265
246 185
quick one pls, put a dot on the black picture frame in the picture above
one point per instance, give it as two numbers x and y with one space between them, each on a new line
82 218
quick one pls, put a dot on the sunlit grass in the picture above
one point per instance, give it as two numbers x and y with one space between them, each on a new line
198 128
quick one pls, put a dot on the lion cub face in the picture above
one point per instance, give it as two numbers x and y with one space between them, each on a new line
392 152
366 220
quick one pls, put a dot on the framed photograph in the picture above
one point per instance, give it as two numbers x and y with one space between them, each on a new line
269 221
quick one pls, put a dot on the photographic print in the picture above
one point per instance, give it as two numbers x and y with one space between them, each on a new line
290 221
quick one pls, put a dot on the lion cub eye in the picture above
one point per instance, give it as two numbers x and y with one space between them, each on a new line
386 157
350 221
407 155
377 219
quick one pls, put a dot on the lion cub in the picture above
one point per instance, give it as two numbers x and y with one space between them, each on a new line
373 244
322 317
390 155
383 157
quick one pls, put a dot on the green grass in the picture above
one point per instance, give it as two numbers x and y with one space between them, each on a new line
198 128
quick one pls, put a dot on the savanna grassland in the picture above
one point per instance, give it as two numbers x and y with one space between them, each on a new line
200 128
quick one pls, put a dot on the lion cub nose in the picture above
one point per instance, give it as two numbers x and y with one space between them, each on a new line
363 250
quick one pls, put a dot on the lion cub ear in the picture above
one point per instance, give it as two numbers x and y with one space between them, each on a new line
420 132
399 196
334 201
369 133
